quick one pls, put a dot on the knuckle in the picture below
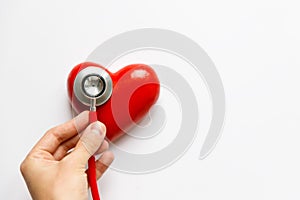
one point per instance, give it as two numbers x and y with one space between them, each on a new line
24 166
56 133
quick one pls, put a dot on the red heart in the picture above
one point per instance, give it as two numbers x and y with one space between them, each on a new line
135 89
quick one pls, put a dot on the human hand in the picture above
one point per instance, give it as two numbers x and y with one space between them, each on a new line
56 166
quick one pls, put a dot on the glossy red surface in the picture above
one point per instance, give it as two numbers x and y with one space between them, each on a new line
135 89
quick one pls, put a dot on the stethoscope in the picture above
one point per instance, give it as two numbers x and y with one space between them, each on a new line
93 87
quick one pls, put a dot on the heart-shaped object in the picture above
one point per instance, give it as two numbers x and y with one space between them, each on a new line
135 89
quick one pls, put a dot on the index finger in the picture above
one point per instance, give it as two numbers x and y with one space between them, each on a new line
57 135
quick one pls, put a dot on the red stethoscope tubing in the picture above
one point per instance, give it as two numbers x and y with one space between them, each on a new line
91 171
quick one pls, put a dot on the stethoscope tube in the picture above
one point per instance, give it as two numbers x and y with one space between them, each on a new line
93 87
91 171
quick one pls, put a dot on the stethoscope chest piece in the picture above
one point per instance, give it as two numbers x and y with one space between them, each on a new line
93 83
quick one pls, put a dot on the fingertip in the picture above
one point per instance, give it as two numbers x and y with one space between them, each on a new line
104 162
90 140
102 127
107 158
104 146
83 115
81 121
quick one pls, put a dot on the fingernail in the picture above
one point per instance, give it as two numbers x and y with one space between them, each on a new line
97 128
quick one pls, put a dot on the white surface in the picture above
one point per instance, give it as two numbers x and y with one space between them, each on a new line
254 44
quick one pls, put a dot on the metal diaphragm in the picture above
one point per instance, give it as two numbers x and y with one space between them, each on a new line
93 85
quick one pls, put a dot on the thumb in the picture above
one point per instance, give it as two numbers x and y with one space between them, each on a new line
90 141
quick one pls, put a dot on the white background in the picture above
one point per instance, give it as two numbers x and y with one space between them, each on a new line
254 44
